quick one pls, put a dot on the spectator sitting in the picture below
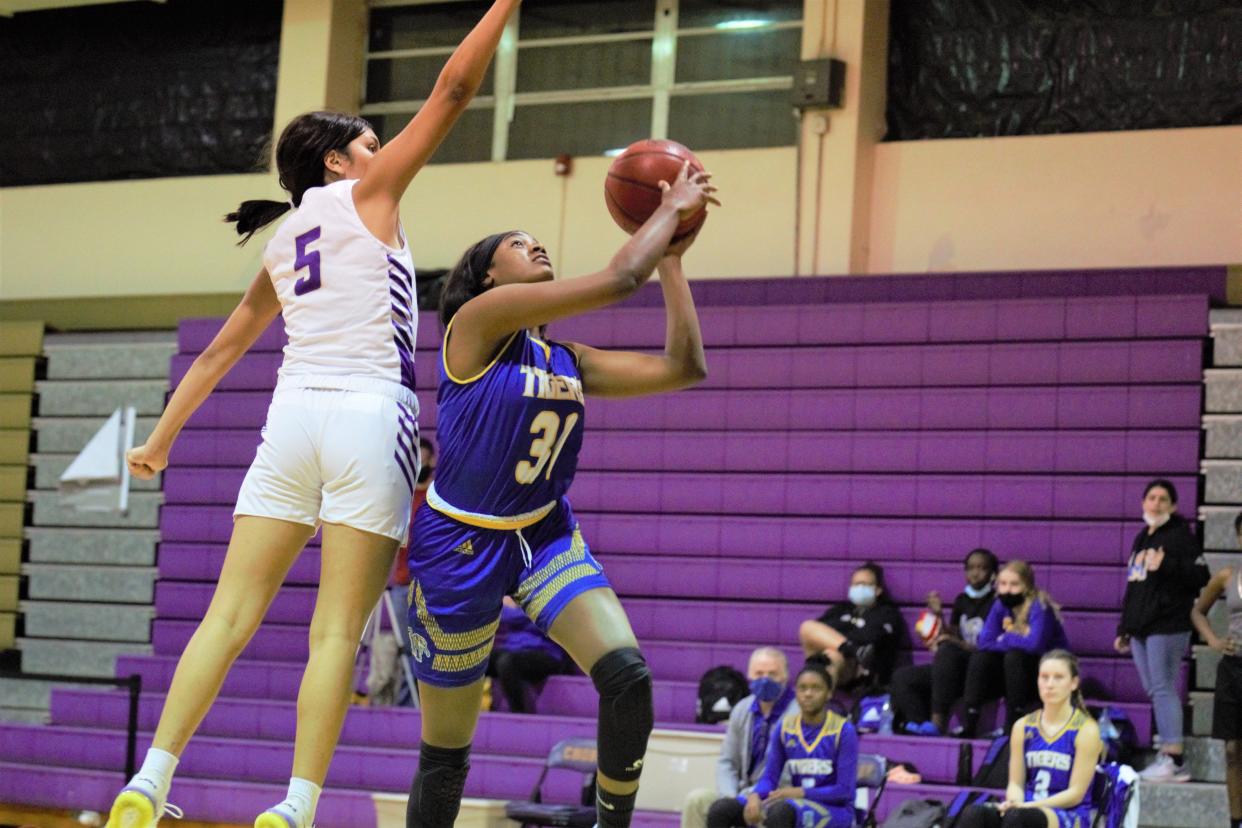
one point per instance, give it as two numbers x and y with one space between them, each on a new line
751 723
859 637
816 751
922 695
1023 624
521 656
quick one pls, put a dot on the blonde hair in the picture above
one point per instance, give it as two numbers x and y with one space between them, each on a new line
1022 614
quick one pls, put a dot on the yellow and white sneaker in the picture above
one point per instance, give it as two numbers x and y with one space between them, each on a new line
284 815
135 807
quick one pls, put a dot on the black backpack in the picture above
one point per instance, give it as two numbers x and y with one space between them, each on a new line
917 813
719 689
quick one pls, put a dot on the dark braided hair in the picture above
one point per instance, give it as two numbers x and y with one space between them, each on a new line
299 162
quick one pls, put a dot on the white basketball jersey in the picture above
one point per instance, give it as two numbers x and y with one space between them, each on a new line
347 298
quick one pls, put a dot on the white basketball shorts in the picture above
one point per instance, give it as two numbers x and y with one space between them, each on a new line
347 457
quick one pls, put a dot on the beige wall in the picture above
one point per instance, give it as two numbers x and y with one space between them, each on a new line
1113 199
1098 200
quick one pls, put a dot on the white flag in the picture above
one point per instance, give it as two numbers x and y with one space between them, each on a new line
98 480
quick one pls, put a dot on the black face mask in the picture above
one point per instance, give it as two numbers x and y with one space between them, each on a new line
1010 599
424 474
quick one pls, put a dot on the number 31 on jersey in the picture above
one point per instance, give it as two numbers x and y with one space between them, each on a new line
546 447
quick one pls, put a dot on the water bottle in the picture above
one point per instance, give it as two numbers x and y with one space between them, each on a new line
886 718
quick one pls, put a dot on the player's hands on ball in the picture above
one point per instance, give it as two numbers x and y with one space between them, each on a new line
145 462
689 192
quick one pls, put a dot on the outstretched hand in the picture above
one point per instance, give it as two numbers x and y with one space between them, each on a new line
690 192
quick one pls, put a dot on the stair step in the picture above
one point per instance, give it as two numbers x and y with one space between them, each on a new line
1218 526
83 621
103 584
1201 712
1186 805
84 398
49 467
120 547
1205 758
75 658
1223 435
113 358
50 510
69 435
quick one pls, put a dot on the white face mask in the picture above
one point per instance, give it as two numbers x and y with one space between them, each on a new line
1156 521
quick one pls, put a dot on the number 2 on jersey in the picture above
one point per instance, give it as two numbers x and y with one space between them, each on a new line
1040 789
545 448
308 260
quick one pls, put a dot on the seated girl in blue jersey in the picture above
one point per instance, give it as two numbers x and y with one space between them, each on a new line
817 750
1053 753
497 522
338 444
1023 624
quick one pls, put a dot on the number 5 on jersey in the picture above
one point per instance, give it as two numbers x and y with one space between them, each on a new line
308 260
545 448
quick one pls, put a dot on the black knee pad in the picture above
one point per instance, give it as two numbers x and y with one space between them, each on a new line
625 712
435 793
780 815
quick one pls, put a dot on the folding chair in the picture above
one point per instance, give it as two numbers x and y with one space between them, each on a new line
569 754
872 777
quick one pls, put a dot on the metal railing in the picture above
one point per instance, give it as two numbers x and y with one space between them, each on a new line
133 683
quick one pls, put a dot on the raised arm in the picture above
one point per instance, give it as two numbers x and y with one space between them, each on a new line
395 165
247 321
489 317
627 373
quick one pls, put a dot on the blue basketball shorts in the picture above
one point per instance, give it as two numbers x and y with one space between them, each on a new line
459 574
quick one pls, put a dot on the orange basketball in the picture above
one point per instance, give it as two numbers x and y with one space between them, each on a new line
632 189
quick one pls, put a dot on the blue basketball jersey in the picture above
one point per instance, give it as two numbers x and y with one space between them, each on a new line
1049 761
807 753
509 436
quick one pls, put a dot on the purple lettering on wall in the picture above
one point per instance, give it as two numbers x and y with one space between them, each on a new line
307 259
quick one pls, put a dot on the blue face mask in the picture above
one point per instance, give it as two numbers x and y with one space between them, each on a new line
862 595
980 592
766 689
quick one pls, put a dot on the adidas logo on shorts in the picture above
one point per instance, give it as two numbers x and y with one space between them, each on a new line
466 548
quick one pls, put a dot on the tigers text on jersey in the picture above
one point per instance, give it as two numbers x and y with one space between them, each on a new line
1049 761
509 436
348 299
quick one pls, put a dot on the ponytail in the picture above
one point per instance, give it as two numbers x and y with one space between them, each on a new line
252 216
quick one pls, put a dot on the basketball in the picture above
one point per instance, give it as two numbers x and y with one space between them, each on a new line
632 189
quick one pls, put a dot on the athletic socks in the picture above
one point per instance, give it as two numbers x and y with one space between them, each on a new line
613 810
300 802
155 775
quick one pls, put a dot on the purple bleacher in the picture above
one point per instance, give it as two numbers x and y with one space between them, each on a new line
872 409
1157 281
1090 631
926 495
1123 317
1127 451
857 539
879 366
904 419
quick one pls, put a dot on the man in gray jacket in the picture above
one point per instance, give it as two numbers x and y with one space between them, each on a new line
746 742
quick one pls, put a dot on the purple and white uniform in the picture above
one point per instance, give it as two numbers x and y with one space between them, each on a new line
341 440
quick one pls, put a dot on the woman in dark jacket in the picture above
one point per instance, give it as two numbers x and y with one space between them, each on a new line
859 637
1165 572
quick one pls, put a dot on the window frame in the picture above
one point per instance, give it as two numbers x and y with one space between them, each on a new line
661 89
